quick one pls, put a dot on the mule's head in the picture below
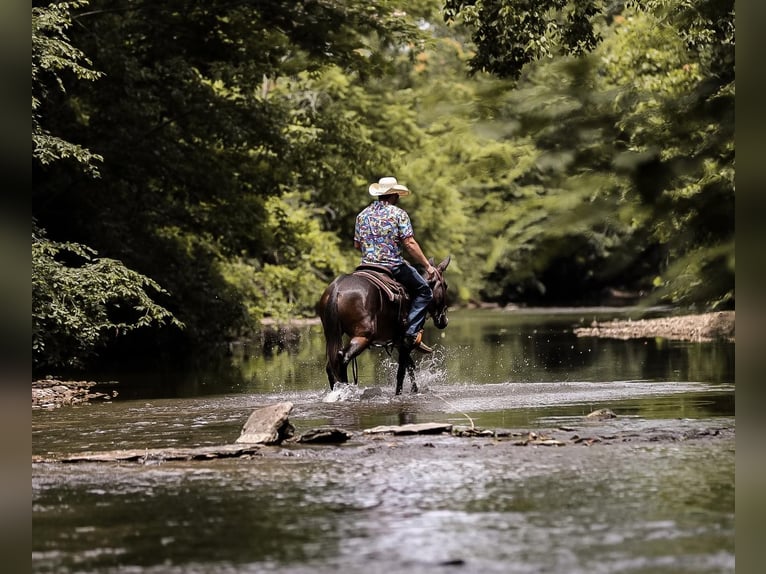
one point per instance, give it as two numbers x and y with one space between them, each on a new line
439 303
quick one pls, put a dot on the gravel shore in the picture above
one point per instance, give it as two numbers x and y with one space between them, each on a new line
695 328
52 393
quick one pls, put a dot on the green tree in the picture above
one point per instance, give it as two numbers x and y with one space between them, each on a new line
509 34
624 170
53 57
231 134
80 302
676 117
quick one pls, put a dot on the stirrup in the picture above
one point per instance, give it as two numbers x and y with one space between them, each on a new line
418 343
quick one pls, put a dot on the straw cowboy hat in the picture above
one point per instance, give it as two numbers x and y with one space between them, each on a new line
388 186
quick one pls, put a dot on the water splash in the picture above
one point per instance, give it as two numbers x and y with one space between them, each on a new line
342 392
430 371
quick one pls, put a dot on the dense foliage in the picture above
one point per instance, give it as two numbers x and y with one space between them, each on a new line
624 169
215 154
81 301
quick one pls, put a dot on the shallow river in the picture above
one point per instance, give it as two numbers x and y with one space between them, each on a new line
412 504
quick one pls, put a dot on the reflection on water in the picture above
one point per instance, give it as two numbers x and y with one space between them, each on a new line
425 505
478 347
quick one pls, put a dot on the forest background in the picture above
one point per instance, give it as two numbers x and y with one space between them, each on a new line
197 165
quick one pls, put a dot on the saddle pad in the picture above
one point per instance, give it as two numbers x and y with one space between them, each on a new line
392 288
376 268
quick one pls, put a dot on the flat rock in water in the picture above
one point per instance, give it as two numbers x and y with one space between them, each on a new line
148 455
268 425
419 428
472 431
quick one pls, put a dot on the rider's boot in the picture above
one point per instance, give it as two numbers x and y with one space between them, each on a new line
416 342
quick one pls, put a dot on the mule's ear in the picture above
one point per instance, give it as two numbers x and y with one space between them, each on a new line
443 264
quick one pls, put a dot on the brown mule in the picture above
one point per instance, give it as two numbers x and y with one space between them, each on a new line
354 306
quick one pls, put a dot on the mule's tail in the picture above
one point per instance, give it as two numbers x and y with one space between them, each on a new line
333 332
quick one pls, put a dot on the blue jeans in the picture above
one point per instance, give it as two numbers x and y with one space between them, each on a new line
420 295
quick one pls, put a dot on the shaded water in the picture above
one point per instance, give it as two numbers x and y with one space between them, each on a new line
423 504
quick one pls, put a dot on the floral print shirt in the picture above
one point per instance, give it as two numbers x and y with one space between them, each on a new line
380 229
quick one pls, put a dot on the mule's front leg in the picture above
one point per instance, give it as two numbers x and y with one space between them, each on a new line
411 372
336 371
405 363
330 375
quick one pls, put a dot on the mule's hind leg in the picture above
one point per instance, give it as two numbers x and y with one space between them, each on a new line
354 348
334 368
330 375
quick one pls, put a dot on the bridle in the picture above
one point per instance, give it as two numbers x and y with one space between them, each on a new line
438 280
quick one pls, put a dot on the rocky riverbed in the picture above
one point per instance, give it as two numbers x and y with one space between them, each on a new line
269 427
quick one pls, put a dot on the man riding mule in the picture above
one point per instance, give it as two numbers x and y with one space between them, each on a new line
385 301
382 229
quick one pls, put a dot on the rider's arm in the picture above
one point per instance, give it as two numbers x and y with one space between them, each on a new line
413 248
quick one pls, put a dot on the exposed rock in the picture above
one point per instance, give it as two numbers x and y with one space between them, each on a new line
496 439
420 428
471 431
268 425
695 328
601 414
539 440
